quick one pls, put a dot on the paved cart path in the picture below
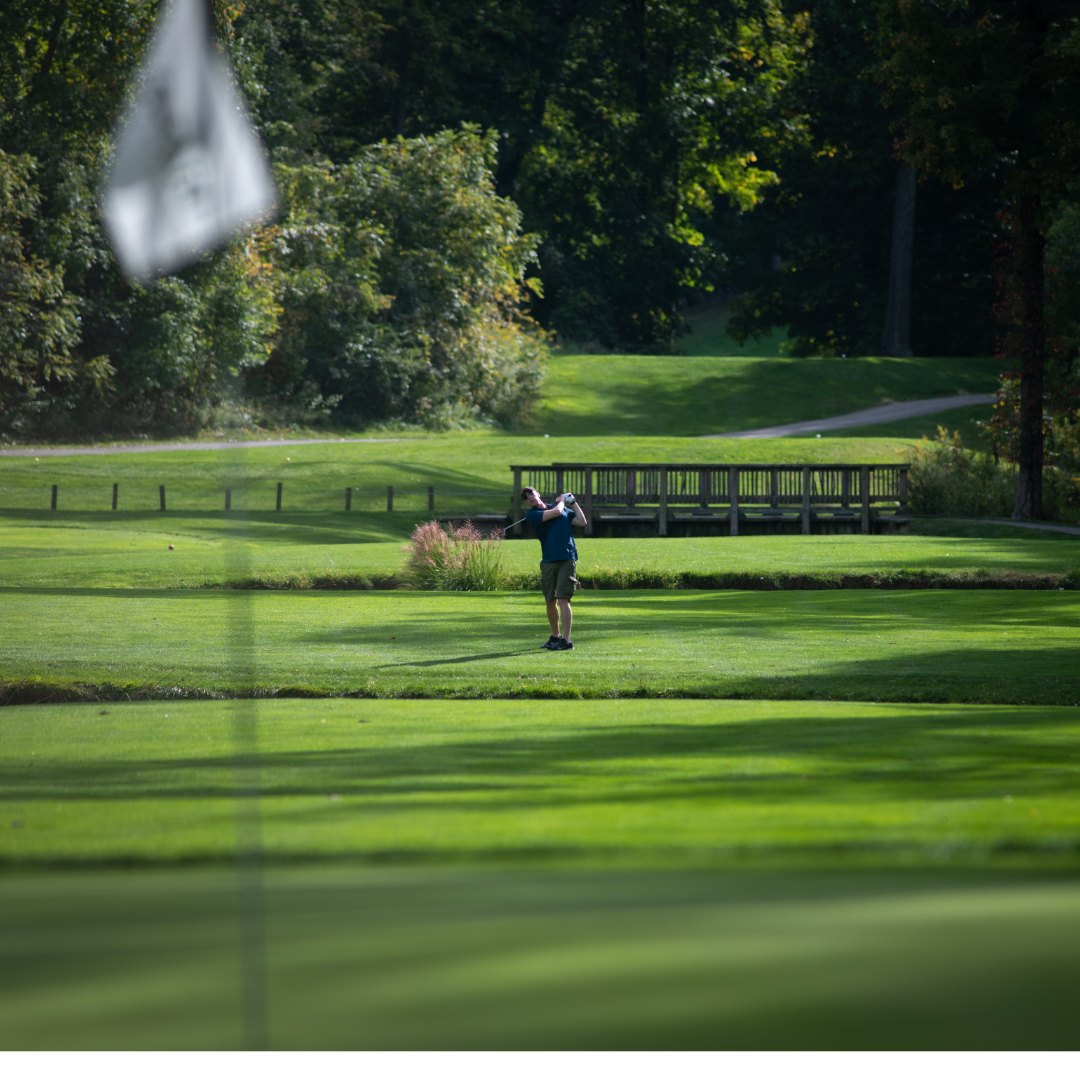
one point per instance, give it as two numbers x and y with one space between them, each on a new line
157 448
879 414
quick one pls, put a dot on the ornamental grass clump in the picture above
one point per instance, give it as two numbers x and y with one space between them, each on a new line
457 558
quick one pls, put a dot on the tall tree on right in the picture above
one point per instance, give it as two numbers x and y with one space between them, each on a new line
981 80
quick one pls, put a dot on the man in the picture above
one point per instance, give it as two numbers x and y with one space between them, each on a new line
552 525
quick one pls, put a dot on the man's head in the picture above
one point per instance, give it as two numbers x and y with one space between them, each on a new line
532 497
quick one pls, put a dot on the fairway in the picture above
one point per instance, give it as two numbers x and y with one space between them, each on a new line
769 818
656 783
981 646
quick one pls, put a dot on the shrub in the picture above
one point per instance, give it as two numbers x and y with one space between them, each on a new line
947 478
455 559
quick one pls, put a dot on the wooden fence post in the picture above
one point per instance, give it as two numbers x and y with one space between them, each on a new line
389 497
733 498
228 499
161 496
806 500
661 516
587 507
430 500
115 492
864 492
348 498
54 489
278 505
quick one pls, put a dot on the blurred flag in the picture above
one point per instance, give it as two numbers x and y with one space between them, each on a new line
189 170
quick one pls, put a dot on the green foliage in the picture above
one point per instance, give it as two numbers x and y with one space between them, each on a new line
401 288
458 558
946 478
814 257
38 323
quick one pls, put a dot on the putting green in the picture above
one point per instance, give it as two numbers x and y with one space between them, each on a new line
982 646
671 783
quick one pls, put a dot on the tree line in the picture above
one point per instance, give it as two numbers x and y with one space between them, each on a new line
460 179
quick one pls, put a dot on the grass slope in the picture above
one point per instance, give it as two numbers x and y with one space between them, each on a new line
674 784
461 467
587 396
459 959
131 550
990 646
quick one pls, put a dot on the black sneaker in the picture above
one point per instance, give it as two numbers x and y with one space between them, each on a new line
552 642
563 645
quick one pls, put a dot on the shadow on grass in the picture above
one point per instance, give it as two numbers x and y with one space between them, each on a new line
763 393
902 755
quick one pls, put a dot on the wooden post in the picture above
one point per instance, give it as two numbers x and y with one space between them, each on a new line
389 497
774 488
430 500
661 515
631 488
704 486
161 496
228 499
54 489
515 501
278 504
348 498
806 500
559 489
845 487
733 498
115 492
864 491
903 488
586 498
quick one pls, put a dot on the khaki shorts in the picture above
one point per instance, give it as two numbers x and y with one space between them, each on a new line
557 579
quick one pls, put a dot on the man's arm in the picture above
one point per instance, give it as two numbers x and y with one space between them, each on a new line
579 516
555 511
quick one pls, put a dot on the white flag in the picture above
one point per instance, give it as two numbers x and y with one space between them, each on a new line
189 170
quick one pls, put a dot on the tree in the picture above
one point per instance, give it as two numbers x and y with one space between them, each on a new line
814 256
979 81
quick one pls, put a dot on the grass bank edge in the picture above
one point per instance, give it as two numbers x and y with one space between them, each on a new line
620 579
46 691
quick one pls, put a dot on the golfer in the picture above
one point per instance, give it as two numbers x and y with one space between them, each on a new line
552 527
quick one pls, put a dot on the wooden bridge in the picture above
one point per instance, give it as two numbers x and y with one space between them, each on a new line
820 495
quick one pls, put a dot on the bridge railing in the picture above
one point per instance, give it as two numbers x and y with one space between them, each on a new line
674 492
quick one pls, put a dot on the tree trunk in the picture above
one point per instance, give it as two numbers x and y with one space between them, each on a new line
1028 255
896 338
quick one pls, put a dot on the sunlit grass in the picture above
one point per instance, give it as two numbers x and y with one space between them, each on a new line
981 646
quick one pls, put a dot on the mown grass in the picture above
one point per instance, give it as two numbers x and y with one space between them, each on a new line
461 467
89 550
662 784
977 646
587 396
367 958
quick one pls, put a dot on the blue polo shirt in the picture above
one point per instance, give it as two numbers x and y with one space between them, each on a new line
555 535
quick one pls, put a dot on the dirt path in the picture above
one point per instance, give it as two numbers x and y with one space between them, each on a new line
880 414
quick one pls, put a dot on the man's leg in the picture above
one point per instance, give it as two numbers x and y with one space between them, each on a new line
567 617
553 615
